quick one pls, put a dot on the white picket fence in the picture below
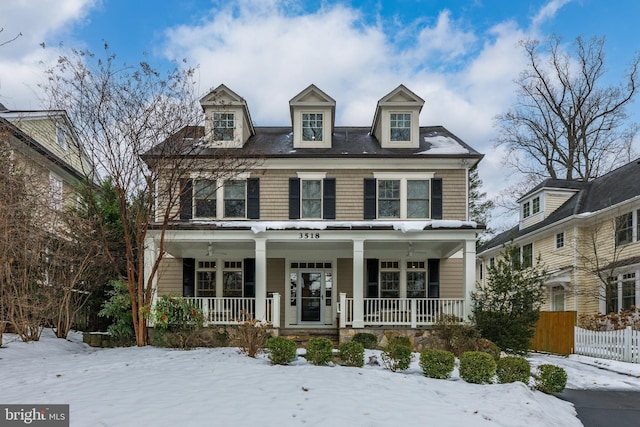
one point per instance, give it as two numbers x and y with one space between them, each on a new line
622 345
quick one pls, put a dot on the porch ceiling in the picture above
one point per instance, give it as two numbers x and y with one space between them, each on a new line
373 249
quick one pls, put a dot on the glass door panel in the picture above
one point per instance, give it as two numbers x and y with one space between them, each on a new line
310 285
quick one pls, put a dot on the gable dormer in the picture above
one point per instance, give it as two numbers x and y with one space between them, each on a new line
227 120
396 121
545 199
313 118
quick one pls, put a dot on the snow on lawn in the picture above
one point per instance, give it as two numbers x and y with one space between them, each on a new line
162 387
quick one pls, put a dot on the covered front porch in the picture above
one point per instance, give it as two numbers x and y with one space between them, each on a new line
347 276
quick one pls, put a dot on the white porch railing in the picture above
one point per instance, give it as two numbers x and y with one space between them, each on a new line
411 312
231 311
622 345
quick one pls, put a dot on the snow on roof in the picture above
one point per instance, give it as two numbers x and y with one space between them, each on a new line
403 226
441 144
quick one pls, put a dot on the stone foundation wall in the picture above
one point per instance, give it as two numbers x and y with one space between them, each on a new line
420 338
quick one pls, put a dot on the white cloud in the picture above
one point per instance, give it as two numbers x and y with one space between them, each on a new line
21 60
547 12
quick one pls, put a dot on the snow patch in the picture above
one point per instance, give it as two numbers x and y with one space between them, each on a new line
441 144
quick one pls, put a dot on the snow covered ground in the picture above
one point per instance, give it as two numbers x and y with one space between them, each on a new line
201 387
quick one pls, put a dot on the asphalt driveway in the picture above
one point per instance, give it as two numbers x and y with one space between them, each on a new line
604 408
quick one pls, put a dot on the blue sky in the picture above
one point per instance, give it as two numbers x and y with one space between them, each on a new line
460 56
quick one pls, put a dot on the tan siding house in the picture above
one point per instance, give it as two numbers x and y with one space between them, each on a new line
587 235
335 227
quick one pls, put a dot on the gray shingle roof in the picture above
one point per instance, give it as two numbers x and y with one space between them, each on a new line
608 190
355 141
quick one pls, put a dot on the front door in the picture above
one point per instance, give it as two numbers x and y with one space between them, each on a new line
311 294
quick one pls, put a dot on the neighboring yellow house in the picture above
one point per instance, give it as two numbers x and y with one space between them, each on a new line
334 227
587 235
44 142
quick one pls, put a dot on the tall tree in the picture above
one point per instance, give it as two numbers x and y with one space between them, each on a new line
566 122
479 206
120 113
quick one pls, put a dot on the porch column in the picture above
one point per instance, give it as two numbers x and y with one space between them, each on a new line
358 284
469 274
261 279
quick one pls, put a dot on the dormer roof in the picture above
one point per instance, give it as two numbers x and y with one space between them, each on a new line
312 96
223 96
399 97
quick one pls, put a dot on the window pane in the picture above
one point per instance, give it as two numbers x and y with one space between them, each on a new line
560 240
526 210
206 281
205 198
390 284
311 208
417 199
400 125
389 198
311 199
311 127
624 229
232 283
527 255
628 290
234 199
223 124
416 284
536 205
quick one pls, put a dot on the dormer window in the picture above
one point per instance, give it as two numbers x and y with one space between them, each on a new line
535 205
223 126
400 126
312 126
526 210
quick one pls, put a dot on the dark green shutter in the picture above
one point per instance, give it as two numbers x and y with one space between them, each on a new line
294 198
436 198
253 198
188 277
329 198
369 198
186 199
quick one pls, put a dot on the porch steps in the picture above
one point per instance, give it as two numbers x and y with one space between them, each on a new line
302 336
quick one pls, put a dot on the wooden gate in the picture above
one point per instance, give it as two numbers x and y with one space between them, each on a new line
554 332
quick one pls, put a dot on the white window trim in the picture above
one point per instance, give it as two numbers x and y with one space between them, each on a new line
312 141
312 175
564 240
411 118
219 194
403 178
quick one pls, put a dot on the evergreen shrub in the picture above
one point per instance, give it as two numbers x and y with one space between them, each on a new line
513 368
366 339
351 354
396 356
319 351
437 363
477 367
282 351
550 379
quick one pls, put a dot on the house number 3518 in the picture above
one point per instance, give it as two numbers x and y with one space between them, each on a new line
309 236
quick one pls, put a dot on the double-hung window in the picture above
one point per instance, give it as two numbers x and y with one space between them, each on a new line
205 198
234 199
223 126
402 196
624 229
400 126
560 240
526 210
535 205
628 290
389 198
312 126
527 255
311 198
417 199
